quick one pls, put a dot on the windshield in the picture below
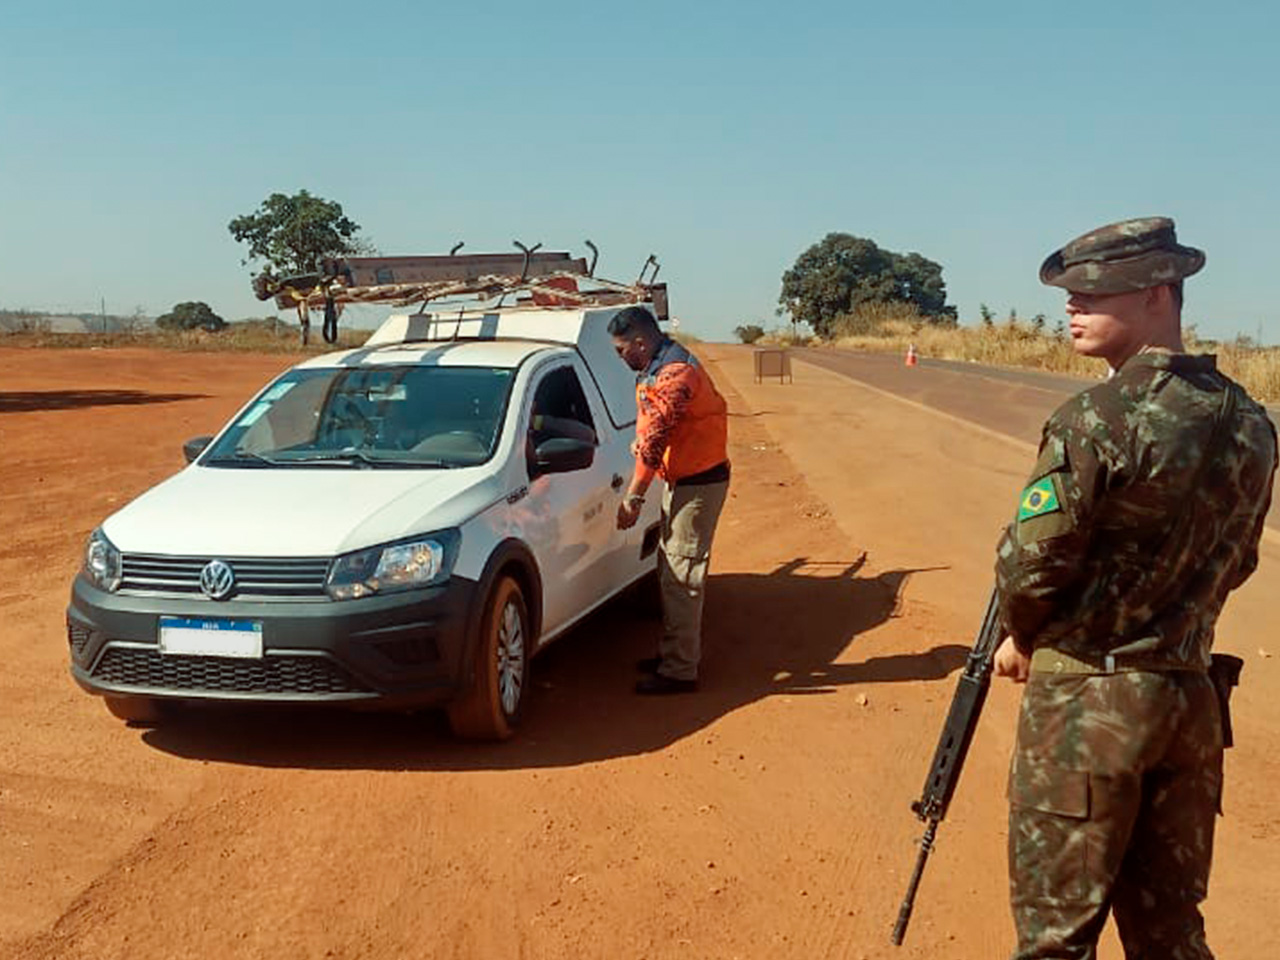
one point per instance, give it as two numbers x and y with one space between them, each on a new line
398 416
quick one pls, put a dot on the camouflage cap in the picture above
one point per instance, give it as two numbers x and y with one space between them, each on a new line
1120 257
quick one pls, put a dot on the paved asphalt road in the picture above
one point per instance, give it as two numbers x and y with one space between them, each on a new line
1009 401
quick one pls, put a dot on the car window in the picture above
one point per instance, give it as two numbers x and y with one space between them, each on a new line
560 409
393 415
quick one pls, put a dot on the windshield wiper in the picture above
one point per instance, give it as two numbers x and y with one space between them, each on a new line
358 458
242 458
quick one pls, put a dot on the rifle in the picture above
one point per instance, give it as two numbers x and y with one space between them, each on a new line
953 745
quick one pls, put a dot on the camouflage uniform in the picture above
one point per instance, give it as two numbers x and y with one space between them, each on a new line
1112 577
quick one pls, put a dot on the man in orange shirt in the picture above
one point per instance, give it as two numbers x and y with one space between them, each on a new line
682 436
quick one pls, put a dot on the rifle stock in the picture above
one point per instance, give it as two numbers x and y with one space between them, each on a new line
953 746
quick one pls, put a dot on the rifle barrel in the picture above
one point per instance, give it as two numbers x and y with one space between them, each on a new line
908 901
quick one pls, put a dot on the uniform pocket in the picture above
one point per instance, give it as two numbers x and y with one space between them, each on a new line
690 522
1048 832
681 539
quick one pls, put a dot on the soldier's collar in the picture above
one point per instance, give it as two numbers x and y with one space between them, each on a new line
1162 358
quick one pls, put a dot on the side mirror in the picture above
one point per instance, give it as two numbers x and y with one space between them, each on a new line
562 455
194 447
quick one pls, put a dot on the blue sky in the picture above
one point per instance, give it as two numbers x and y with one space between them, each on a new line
723 137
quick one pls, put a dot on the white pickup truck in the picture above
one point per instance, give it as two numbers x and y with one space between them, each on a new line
397 526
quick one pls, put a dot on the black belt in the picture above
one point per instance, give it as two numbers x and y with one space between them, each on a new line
717 474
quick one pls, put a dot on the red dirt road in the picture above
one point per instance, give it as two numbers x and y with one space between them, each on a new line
766 816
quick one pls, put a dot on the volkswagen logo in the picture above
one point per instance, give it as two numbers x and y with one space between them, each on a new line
217 580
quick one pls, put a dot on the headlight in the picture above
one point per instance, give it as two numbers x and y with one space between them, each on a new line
102 562
405 565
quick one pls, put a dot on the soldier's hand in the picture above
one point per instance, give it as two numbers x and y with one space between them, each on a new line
1011 662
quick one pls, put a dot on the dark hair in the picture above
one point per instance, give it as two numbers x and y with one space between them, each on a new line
1176 290
634 321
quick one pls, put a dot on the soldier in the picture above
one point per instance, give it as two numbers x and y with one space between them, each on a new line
1143 512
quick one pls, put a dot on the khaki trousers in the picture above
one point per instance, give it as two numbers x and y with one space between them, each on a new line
689 515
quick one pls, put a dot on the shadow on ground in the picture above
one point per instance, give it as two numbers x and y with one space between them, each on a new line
33 400
766 634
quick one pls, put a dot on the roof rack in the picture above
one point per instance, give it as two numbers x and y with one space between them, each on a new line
551 279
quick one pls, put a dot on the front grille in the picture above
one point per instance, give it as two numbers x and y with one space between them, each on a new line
146 667
255 577
77 637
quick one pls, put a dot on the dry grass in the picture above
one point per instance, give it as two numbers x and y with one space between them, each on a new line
250 337
1018 344
1004 344
1258 370
784 337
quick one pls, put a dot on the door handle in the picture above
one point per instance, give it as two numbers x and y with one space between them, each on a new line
617 481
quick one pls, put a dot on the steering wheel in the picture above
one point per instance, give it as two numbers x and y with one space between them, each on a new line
351 417
455 443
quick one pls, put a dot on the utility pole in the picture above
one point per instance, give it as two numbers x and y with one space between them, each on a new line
102 309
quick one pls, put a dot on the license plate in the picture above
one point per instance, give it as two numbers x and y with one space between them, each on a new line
195 637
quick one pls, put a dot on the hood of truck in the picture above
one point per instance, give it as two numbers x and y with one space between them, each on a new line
296 512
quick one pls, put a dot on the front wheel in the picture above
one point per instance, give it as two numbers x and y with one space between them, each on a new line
491 708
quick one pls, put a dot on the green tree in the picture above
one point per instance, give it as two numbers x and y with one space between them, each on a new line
749 332
192 315
919 281
293 234
988 316
842 272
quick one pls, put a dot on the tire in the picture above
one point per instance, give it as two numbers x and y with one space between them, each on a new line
137 711
491 708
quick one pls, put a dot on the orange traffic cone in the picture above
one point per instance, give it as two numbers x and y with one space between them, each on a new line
911 355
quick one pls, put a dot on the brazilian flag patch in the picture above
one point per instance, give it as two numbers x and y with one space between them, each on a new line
1038 499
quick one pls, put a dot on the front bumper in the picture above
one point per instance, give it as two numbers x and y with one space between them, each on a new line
396 651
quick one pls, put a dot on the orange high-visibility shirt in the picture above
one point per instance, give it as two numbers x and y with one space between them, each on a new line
682 421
